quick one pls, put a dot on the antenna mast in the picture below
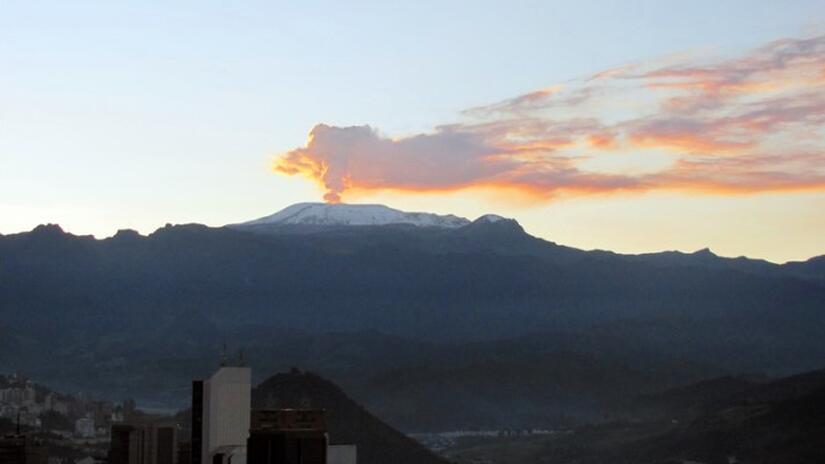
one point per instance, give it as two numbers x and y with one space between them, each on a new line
224 358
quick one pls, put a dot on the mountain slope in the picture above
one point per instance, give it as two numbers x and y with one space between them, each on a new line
144 312
480 281
778 422
347 422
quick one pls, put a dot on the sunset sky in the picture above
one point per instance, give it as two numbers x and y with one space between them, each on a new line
628 126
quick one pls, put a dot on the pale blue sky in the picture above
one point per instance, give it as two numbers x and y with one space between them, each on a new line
134 114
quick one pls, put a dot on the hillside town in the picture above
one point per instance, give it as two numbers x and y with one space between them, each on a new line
71 425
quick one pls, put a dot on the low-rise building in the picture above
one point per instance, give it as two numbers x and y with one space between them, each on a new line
154 442
22 449
288 436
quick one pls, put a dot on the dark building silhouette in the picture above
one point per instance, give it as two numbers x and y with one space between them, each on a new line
197 423
21 449
184 452
154 442
165 445
120 443
287 436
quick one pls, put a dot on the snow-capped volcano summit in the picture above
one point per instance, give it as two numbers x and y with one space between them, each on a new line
323 214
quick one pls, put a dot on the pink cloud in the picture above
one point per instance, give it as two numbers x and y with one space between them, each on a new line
746 124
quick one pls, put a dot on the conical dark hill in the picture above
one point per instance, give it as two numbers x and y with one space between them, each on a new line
347 422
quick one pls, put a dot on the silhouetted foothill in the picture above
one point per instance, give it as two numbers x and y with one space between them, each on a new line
127 235
347 422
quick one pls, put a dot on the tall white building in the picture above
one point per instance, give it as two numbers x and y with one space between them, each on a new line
226 406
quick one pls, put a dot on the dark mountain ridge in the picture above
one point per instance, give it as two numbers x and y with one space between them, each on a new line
131 308
430 284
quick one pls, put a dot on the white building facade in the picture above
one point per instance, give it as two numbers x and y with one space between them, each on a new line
227 403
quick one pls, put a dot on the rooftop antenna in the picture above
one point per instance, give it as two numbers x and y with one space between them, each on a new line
241 361
224 357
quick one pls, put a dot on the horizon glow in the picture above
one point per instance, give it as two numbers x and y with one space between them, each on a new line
651 126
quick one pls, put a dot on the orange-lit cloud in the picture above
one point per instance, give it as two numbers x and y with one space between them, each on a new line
746 174
604 140
341 157
741 125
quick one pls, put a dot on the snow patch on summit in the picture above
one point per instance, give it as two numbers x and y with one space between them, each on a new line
323 214
490 218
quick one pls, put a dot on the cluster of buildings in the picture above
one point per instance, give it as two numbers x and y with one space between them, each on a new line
18 400
76 424
440 441
226 430
21 401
